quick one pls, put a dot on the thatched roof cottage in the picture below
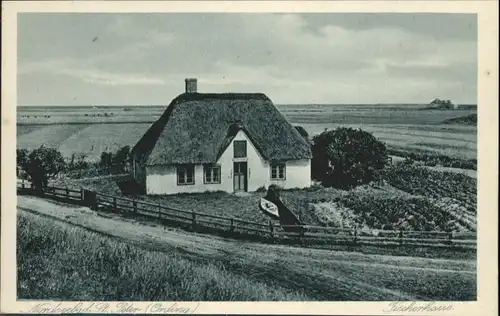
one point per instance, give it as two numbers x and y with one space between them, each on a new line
220 142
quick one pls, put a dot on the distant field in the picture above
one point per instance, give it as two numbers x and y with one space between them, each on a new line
91 139
93 130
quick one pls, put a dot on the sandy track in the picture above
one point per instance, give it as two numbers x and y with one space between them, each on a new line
322 274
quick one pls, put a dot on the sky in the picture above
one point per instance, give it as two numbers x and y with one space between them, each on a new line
334 58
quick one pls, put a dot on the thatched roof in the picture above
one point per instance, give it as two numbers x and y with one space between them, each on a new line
198 127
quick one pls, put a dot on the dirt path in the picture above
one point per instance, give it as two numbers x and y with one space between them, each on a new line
322 274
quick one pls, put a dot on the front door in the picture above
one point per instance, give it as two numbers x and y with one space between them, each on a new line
240 176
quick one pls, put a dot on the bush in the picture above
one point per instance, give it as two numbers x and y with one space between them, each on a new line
106 160
261 189
347 157
121 158
41 164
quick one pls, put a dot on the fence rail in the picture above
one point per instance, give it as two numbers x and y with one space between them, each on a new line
203 222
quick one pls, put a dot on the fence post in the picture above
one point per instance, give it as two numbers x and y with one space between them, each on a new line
67 192
400 236
81 194
450 237
115 207
355 235
134 203
193 221
271 229
22 184
231 229
159 210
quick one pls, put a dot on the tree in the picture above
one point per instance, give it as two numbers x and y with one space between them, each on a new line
442 104
106 160
21 158
42 164
121 158
347 157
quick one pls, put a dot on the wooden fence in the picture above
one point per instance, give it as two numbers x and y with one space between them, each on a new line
237 228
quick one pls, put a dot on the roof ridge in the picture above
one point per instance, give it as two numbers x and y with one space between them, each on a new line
188 97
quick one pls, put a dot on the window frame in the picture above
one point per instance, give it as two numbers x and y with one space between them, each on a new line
276 165
234 149
211 167
186 168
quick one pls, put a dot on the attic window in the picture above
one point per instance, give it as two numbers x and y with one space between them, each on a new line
185 175
278 171
240 148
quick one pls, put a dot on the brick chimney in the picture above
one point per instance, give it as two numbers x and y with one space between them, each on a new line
191 85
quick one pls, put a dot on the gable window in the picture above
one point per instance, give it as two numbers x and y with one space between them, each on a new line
240 148
212 174
185 175
278 171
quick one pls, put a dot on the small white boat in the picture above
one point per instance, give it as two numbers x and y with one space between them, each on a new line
269 208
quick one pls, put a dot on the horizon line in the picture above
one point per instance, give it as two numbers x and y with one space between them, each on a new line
277 104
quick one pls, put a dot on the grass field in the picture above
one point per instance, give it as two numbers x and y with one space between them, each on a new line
58 260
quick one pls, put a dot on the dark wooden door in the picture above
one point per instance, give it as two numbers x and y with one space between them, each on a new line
240 176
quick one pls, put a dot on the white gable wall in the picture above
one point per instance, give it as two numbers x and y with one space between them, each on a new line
162 179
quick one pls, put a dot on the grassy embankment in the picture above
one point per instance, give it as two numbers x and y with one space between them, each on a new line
51 259
59 261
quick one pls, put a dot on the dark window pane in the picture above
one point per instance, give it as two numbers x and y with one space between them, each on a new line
185 175
240 148
273 173
281 173
181 173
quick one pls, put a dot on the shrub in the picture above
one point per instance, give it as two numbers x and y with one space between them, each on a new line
347 157
21 157
41 164
106 159
261 189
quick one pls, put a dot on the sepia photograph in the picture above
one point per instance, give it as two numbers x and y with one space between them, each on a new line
246 156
